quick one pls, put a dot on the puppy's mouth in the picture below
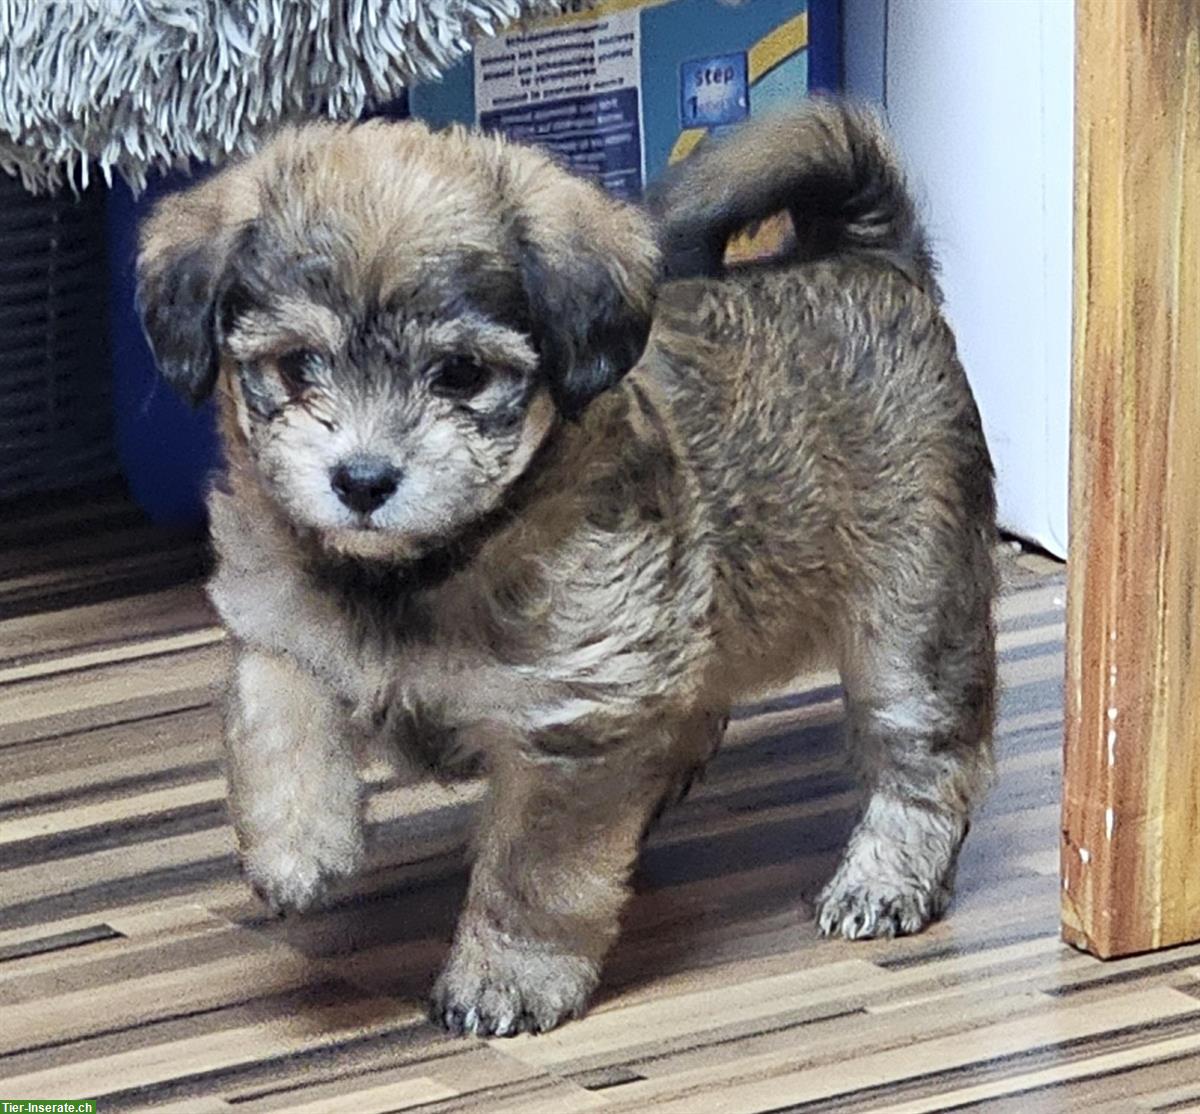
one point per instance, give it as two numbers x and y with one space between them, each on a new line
367 539
365 526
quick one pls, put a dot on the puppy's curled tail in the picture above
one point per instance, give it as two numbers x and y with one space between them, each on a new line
826 162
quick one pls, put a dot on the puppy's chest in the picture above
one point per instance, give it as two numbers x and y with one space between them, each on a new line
436 669
525 646
459 675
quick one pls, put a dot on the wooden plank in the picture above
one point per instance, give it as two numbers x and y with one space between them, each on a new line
769 1081
130 651
191 674
403 1094
1119 1061
44 634
1131 809
224 1049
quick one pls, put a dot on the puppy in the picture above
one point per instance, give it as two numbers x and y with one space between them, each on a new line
499 494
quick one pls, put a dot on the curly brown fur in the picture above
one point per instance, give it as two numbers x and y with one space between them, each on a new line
550 569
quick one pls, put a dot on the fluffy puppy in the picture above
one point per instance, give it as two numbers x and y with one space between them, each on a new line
498 494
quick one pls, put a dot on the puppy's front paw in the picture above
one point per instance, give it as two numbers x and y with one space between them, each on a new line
495 988
289 879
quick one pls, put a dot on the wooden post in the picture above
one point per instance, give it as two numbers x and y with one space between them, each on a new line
1131 799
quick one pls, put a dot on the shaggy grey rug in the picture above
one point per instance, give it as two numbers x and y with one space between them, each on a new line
135 85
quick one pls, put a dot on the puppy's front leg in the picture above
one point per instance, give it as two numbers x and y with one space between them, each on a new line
555 848
266 598
294 789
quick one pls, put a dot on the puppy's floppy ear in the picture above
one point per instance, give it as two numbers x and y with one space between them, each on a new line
589 266
183 272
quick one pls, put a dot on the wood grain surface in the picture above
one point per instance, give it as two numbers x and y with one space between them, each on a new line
1131 815
136 967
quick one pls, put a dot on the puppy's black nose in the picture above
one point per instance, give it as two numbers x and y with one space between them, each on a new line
364 484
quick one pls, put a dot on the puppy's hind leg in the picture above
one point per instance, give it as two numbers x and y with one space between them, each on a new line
294 788
919 698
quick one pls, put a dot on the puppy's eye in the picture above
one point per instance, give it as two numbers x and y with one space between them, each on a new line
295 368
459 378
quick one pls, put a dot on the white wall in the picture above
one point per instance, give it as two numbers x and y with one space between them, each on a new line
979 96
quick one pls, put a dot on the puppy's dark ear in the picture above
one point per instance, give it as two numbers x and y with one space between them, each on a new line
589 266
183 273
177 301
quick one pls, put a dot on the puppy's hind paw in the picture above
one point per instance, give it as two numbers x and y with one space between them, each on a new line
897 874
863 911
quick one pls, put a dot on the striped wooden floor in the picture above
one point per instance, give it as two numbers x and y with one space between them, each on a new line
136 967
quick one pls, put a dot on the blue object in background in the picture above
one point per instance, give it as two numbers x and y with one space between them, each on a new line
166 447
714 91
825 46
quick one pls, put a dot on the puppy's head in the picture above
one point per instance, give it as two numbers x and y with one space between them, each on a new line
396 319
